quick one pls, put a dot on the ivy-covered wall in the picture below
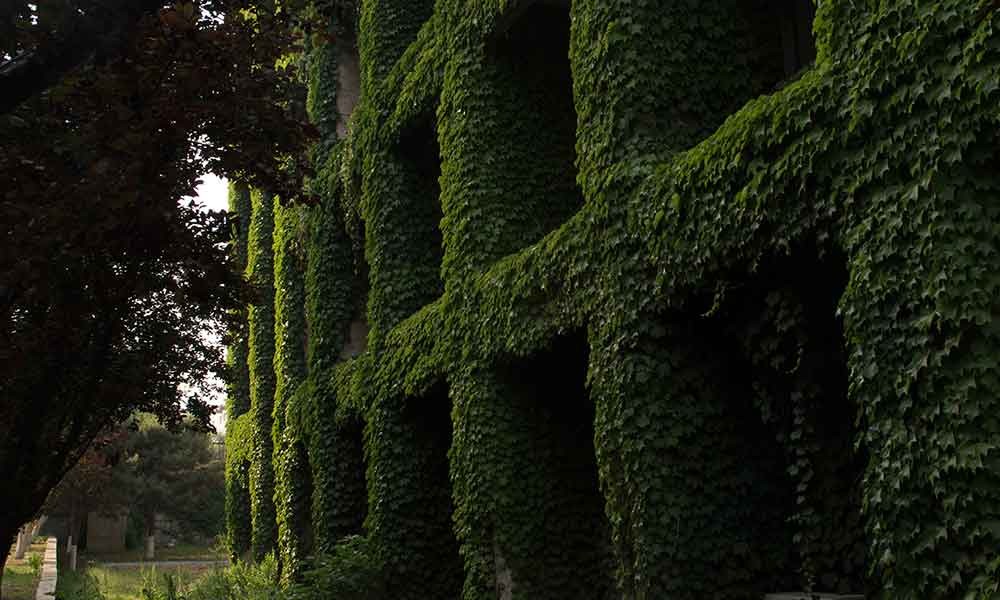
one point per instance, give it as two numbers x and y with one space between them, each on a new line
238 388
293 484
260 275
335 442
652 315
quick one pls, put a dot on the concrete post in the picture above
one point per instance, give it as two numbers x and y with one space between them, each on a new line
38 525
150 547
23 541
72 557
18 552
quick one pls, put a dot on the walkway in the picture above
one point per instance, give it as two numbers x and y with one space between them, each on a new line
47 585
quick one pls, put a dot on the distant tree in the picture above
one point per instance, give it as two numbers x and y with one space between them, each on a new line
173 474
90 485
109 111
142 468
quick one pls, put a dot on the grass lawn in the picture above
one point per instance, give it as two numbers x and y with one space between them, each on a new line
19 583
94 581
128 583
178 552
125 583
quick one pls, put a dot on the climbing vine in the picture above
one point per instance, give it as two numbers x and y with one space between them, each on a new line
291 466
238 388
641 297
260 274
239 532
332 291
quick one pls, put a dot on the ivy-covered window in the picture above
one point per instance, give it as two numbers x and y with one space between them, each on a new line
348 83
797 43
532 50
785 320
411 516
553 539
420 157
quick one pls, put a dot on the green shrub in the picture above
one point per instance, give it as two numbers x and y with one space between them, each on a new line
35 562
242 581
78 585
350 573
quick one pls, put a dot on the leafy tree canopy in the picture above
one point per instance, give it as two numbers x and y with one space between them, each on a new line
111 287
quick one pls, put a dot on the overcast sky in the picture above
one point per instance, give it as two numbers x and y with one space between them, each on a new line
213 193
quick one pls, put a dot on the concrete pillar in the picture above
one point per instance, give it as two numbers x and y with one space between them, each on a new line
357 339
348 85
150 547
38 525
72 557
22 542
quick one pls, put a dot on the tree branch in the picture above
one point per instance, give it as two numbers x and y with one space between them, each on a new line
32 72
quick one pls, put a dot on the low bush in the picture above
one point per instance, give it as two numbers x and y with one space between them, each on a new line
78 586
241 581
350 573
35 562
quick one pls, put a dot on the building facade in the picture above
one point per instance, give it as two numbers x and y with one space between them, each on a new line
633 299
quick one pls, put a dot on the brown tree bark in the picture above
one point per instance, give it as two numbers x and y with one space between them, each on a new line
7 535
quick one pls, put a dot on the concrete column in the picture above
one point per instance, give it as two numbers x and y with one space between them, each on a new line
348 85
38 525
150 547
22 544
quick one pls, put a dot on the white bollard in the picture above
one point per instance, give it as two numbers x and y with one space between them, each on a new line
150 547
38 525
23 541
19 545
72 557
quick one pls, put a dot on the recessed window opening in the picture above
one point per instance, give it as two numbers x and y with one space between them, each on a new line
351 488
785 320
430 517
552 400
531 48
797 43
418 146
348 83
302 526
781 42
420 157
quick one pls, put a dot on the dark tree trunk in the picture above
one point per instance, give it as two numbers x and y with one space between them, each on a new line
8 533
149 542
